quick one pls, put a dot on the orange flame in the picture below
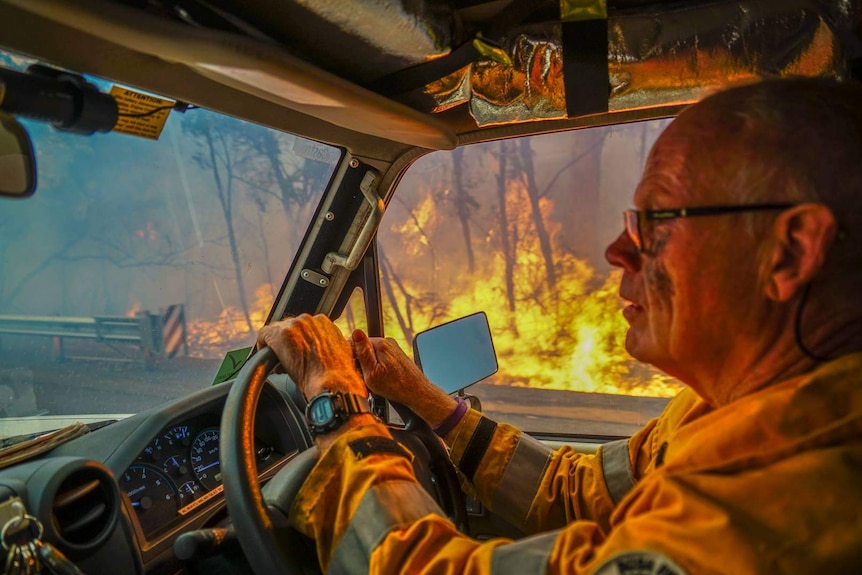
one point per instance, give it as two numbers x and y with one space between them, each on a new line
213 338
570 338
134 308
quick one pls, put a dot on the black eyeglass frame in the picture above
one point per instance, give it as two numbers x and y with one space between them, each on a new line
634 219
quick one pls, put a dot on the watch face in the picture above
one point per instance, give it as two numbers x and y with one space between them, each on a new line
320 411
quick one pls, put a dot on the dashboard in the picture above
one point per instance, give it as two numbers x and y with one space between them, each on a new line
179 472
116 499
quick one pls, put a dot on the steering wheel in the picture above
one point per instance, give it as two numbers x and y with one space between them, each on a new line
261 517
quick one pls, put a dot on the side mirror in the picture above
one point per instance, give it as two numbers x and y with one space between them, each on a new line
17 161
457 354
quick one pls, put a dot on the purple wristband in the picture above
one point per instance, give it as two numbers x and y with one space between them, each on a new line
453 419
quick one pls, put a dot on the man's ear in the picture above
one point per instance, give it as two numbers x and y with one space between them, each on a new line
802 235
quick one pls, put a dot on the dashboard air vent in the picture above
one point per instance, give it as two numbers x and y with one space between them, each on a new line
84 508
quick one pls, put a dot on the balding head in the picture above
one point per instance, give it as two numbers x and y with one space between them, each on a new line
790 140
794 141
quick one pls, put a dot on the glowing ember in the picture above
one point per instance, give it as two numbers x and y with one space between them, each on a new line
149 233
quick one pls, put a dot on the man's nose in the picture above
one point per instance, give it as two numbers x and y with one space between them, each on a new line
622 253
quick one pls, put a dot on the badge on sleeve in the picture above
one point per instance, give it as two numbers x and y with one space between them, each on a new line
642 562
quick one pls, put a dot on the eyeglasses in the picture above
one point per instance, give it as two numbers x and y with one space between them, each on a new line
636 219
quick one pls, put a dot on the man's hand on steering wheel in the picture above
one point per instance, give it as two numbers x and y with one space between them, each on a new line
318 358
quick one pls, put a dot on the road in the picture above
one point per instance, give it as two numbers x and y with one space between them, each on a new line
31 383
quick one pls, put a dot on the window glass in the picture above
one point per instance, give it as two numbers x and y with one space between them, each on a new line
139 262
518 229
353 317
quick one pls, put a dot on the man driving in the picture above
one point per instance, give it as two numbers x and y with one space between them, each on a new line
742 269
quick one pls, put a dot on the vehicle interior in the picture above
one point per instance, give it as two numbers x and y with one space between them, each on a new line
203 167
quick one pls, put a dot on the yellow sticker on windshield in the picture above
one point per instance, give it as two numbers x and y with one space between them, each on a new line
140 114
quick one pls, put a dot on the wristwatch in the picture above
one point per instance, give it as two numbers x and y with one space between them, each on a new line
328 410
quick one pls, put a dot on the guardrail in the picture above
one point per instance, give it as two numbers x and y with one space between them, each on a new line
151 333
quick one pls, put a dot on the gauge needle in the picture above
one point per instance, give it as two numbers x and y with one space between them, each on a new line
199 469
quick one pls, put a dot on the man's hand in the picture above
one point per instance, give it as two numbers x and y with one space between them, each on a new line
388 372
314 354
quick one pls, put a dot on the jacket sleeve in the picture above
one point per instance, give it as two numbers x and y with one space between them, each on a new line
368 514
536 488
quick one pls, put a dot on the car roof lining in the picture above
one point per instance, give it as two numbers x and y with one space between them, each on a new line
141 50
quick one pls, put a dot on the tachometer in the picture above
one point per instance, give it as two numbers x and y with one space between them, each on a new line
153 496
205 458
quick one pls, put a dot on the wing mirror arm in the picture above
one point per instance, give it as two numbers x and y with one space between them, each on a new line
474 402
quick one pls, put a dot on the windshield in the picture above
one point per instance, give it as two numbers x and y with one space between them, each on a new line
139 262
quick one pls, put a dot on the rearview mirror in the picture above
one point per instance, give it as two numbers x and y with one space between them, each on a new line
17 162
457 354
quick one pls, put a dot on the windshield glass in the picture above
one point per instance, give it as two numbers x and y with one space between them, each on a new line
518 229
139 262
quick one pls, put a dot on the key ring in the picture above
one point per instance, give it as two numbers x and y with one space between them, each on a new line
16 521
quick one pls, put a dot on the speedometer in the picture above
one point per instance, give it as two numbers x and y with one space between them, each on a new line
205 458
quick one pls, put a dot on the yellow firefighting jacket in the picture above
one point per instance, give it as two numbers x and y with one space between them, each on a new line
771 483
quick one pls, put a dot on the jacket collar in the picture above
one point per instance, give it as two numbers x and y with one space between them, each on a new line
817 409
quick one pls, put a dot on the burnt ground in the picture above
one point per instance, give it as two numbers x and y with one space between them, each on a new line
33 383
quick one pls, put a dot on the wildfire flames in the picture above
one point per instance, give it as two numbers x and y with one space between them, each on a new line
575 349
570 338
134 308
212 339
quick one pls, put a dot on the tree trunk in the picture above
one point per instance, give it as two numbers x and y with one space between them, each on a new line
385 273
462 204
526 153
224 194
265 245
432 253
272 152
508 251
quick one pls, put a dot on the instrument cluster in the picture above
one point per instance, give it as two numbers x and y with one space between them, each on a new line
179 471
